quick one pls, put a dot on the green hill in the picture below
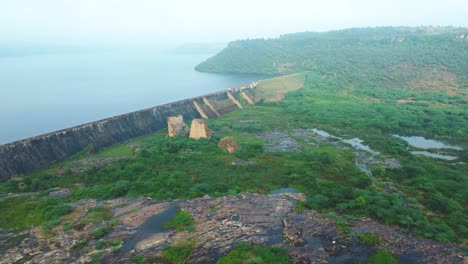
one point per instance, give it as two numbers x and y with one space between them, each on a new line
392 56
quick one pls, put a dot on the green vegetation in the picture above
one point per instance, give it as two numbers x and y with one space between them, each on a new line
182 221
374 55
178 253
245 253
100 232
368 239
19 212
274 89
96 255
383 257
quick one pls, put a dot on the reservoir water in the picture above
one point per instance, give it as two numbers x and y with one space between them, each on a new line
47 92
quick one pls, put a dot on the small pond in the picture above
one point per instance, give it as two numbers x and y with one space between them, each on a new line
357 144
434 155
423 143
283 190
354 142
153 225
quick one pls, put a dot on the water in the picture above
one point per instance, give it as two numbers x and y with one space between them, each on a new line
354 142
357 144
423 143
322 133
151 226
47 92
434 155
283 190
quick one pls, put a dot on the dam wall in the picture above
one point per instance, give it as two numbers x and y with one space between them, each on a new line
27 155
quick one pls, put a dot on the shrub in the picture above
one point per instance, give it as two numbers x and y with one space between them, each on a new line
368 239
180 222
177 254
100 232
382 257
246 253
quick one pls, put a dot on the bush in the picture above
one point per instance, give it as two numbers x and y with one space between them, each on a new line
382 257
368 239
177 254
246 253
180 222
99 232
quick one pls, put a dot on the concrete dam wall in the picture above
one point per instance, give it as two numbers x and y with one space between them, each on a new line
27 155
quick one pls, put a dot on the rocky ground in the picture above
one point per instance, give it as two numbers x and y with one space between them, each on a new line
113 231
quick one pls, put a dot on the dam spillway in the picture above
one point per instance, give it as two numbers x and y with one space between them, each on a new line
30 154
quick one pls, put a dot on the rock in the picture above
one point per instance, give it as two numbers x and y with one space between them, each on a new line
135 215
62 193
199 129
176 126
229 144
152 241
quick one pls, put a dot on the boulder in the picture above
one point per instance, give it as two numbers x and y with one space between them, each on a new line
176 126
199 129
229 144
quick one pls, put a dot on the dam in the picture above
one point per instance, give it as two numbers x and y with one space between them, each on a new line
30 154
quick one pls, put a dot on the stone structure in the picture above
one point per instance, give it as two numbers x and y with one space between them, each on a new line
247 97
210 105
199 129
234 100
176 126
200 110
27 155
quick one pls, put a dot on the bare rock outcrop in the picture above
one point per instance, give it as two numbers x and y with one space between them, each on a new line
199 129
229 144
176 126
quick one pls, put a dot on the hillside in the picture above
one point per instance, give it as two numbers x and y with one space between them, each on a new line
391 56
331 166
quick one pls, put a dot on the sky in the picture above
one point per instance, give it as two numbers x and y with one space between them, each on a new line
189 21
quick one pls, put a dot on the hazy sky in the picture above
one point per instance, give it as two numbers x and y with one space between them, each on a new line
150 21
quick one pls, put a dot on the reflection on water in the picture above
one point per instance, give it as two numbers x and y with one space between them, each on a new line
354 142
283 190
423 143
322 133
357 143
434 155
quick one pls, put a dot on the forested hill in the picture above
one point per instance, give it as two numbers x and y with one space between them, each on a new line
387 54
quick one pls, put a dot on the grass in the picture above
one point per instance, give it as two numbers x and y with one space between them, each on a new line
382 257
178 252
368 239
245 253
182 221
100 232
275 89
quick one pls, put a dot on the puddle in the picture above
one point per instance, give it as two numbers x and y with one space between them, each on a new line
354 142
434 155
151 226
283 190
364 169
423 143
357 144
322 133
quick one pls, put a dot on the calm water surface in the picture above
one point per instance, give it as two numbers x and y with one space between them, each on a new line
43 93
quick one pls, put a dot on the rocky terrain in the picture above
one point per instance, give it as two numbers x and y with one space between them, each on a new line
116 230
